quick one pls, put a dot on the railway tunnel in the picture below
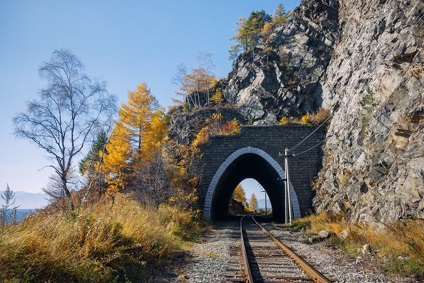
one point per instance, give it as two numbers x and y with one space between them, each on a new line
248 163
255 154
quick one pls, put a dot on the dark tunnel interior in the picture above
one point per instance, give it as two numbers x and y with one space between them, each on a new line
248 166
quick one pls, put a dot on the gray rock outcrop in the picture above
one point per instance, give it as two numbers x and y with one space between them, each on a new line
282 77
373 169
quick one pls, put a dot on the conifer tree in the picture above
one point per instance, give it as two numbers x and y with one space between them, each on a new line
137 114
154 135
9 200
86 165
253 203
239 194
248 33
117 162
279 13
124 150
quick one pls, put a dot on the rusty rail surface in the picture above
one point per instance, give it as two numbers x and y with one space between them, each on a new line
247 270
310 271
258 256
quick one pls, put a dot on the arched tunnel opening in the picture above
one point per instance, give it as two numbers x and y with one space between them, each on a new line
243 167
249 196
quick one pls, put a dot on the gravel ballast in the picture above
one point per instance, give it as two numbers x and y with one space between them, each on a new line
208 260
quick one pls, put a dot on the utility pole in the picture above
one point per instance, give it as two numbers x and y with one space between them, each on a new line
287 191
266 210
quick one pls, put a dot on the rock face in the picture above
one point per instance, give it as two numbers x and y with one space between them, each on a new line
373 169
282 77
364 60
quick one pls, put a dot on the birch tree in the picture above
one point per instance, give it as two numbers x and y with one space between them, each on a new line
71 108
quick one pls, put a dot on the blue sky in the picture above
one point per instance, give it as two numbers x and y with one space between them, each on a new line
122 42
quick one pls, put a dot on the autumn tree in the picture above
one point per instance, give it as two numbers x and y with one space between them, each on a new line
124 149
239 194
133 146
279 18
117 162
154 135
218 97
280 15
152 182
136 116
253 203
248 33
70 110
195 83
186 174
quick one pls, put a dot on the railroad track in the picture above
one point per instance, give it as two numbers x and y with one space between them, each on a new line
263 258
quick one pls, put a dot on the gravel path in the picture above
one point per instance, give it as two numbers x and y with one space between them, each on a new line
208 260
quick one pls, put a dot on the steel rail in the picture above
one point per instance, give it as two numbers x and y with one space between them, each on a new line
247 270
310 271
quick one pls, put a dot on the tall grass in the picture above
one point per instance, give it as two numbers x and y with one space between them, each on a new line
398 248
104 242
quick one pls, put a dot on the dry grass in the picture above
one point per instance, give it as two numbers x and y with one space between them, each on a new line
101 243
320 115
398 249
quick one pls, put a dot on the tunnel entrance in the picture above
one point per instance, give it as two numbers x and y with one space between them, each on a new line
247 163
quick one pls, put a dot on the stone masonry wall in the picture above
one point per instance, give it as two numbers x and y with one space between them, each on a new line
273 140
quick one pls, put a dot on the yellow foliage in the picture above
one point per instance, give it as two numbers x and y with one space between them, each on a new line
253 202
266 29
239 194
141 129
216 116
218 97
117 160
284 121
306 118
154 135
202 137
137 114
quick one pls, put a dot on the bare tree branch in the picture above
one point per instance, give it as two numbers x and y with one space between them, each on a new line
69 111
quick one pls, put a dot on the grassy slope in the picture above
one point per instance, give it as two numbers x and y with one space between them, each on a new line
100 243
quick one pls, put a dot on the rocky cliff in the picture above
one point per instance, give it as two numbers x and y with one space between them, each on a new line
374 154
282 77
363 60
366 57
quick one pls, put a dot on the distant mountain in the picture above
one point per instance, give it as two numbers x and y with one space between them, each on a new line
261 204
20 214
25 200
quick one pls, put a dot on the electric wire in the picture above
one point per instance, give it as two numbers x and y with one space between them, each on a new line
311 148
415 21
313 132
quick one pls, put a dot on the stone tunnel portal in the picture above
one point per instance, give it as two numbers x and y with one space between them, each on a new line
248 163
